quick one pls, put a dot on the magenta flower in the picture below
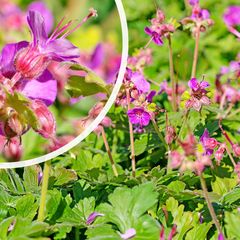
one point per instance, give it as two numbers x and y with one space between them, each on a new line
140 82
231 18
208 143
43 87
33 59
198 95
156 37
193 2
139 116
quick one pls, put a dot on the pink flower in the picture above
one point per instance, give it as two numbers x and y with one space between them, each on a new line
198 94
208 143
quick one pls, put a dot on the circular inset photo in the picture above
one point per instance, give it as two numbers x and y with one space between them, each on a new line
62 64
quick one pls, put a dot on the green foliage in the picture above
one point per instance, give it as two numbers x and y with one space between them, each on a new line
86 85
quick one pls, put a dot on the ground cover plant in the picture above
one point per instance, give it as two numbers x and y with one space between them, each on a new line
164 163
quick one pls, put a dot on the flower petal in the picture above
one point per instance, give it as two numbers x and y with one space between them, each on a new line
158 40
62 50
37 26
40 7
91 218
44 88
193 84
130 233
204 84
8 56
148 31
140 82
97 57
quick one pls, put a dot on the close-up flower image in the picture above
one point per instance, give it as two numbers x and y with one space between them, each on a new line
163 162
50 76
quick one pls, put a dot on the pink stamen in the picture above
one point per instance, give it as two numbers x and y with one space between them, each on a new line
92 13
57 28
59 32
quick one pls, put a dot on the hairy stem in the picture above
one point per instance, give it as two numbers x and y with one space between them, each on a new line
109 152
173 82
209 204
230 156
195 57
42 207
131 136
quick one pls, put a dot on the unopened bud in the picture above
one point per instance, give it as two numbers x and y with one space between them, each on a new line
13 149
236 150
46 122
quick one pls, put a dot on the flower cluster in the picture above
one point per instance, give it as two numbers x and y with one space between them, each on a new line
159 29
200 18
198 96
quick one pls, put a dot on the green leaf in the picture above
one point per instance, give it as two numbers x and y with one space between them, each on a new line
21 105
4 226
223 185
64 176
140 145
232 196
27 207
177 186
199 231
30 177
87 85
103 232
24 228
232 221
128 207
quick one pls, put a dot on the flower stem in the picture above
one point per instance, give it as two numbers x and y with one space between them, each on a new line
158 131
171 65
209 204
230 156
183 124
109 152
195 58
42 207
131 136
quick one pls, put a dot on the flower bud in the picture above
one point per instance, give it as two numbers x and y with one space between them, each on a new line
94 112
13 149
219 153
13 126
210 143
236 150
170 134
46 122
31 63
176 159
160 16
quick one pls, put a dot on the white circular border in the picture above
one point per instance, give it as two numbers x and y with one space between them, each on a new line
102 114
